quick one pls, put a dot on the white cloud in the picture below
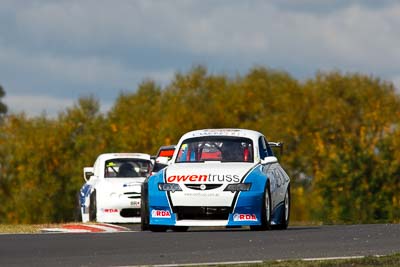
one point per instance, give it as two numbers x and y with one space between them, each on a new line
36 104
73 48
245 30
396 83
79 69
363 36
59 80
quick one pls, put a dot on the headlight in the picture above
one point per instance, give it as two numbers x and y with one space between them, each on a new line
169 187
238 187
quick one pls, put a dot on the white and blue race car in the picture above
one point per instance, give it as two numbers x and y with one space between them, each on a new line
112 190
218 177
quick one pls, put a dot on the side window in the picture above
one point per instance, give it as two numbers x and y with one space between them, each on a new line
265 149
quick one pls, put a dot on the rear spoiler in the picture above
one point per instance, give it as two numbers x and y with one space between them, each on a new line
277 144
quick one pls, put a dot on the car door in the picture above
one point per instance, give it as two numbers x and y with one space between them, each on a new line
270 170
275 184
285 182
281 184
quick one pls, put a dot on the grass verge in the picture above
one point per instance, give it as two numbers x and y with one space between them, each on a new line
24 228
371 261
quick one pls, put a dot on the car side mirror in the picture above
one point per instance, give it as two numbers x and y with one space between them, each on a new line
162 160
87 173
160 163
269 160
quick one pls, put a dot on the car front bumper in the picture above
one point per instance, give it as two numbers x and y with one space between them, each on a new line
244 210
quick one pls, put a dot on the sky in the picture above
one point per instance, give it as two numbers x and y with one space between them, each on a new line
54 52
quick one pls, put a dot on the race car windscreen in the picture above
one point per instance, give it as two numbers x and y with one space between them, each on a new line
216 148
120 168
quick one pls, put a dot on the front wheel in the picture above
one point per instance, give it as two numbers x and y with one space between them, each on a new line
158 228
93 207
78 210
286 212
144 213
265 213
180 228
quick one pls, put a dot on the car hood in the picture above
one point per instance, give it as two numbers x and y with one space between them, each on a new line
122 184
207 173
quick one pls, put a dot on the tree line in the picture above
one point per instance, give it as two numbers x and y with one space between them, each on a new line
340 132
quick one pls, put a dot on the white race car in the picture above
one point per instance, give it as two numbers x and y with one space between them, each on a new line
113 187
218 177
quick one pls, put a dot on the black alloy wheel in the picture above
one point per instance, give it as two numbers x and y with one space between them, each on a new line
93 207
265 212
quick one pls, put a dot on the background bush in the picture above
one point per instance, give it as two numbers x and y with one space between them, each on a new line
341 135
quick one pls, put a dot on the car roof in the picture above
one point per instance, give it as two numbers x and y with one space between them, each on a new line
254 135
108 156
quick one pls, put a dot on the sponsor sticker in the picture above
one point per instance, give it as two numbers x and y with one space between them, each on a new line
237 217
135 203
204 178
132 184
110 210
160 214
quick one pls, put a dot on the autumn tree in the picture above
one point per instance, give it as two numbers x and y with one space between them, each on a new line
350 119
134 122
28 183
42 161
3 107
341 137
82 135
193 101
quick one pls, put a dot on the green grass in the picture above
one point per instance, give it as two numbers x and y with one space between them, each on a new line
22 228
25 228
372 261
31 228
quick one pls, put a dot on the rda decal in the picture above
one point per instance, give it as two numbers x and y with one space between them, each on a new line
204 178
160 214
244 217
110 210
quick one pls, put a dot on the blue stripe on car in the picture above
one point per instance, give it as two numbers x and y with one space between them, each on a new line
84 193
159 201
250 202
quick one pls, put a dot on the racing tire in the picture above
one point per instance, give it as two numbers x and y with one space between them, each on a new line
286 213
144 212
158 228
180 228
265 213
77 210
93 207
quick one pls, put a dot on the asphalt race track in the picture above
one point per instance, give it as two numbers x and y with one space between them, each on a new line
196 246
